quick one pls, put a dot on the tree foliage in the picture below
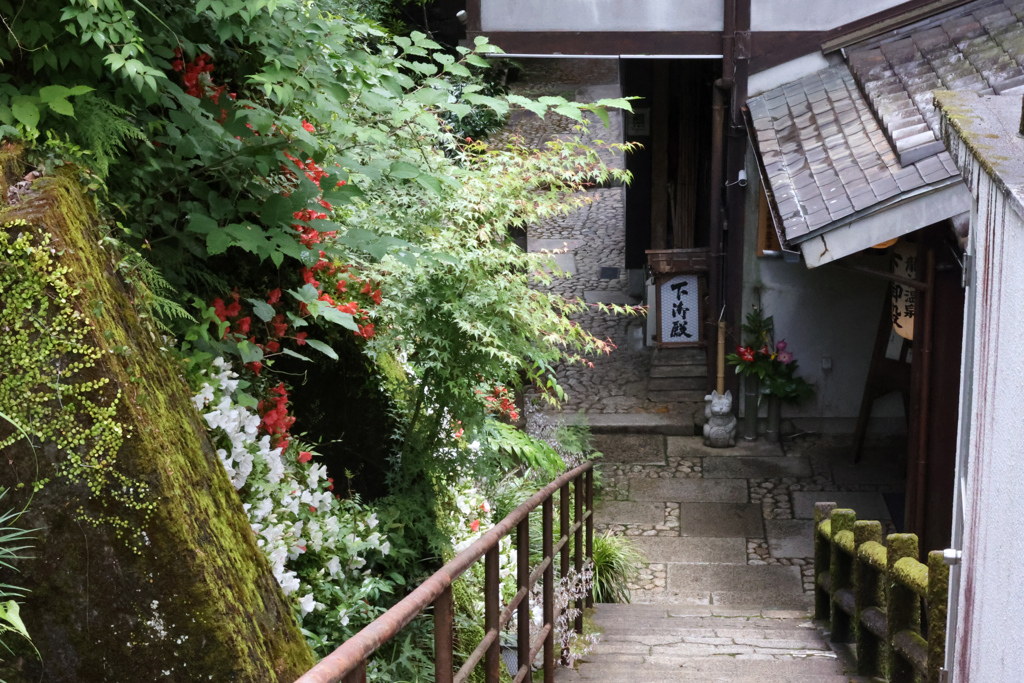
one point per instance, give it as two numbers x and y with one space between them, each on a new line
295 161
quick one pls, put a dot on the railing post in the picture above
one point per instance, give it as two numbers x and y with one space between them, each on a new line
938 589
356 675
577 499
444 618
523 581
563 532
492 609
564 524
841 572
903 607
868 592
822 561
590 527
549 592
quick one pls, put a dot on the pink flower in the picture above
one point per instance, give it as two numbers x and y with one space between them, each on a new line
785 357
781 346
474 526
305 456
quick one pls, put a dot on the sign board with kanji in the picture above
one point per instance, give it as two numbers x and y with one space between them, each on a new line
904 298
679 310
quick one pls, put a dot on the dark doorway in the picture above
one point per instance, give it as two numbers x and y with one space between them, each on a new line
667 204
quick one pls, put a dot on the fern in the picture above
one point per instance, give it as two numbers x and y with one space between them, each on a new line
155 294
103 128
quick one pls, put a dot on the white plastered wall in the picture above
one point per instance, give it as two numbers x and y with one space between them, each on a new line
989 640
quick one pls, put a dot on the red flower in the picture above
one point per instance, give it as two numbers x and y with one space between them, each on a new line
367 288
243 325
273 296
219 310
273 346
366 331
308 126
376 296
255 366
300 339
279 325
305 456
330 486
475 525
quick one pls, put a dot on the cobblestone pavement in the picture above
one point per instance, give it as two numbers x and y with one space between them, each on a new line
726 593
591 240
750 505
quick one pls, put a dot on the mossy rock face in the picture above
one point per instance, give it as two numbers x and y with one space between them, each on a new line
121 590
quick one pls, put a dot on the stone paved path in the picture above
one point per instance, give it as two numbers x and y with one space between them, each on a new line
726 595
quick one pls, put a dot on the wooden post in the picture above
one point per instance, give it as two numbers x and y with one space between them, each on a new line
869 592
659 156
822 562
841 571
903 606
444 619
721 357
938 595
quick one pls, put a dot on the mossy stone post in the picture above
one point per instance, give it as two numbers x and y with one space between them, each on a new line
159 580
822 561
903 606
938 596
869 590
841 571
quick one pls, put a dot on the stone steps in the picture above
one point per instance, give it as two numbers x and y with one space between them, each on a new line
677 396
707 644
658 384
672 371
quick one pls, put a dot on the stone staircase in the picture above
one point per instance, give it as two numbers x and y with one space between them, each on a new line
706 644
678 382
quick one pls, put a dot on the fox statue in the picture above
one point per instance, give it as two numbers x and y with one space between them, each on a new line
720 430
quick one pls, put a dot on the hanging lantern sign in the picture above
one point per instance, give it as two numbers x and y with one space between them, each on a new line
679 310
904 298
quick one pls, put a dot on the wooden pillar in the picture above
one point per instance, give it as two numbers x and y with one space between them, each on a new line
659 157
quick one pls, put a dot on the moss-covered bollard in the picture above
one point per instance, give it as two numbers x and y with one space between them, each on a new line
869 588
145 567
841 571
903 606
938 597
822 560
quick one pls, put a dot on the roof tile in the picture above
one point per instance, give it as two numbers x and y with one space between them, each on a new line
978 47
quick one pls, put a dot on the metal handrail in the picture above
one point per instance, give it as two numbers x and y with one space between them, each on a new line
347 664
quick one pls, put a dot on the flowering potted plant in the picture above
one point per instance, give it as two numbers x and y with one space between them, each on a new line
770 370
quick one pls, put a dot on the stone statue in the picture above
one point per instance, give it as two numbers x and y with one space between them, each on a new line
720 430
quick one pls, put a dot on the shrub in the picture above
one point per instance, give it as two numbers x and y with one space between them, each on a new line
616 564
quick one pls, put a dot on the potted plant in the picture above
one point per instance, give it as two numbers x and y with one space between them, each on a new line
770 371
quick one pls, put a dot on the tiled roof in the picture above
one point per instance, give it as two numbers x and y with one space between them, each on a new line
824 154
977 47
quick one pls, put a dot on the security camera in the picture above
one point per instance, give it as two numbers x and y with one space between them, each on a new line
741 179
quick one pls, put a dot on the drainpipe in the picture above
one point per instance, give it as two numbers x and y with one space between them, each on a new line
716 271
717 181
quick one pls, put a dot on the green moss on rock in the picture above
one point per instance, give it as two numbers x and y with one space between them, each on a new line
193 598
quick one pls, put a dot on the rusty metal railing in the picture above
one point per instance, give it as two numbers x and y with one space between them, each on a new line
871 594
347 664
